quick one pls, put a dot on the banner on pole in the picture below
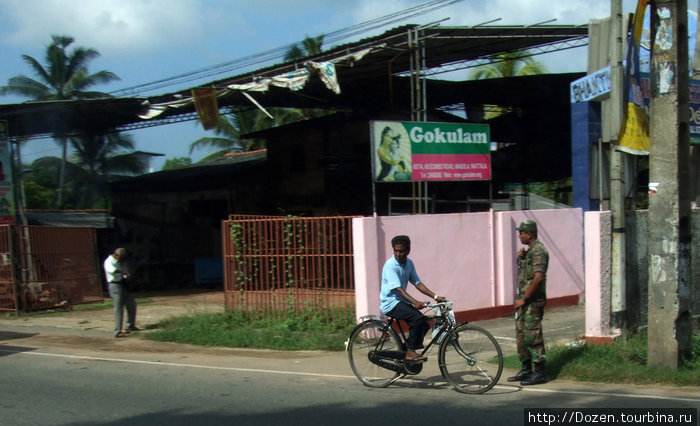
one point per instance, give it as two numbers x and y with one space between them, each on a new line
423 151
207 107
634 132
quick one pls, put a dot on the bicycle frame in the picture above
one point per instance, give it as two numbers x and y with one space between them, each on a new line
464 355
448 325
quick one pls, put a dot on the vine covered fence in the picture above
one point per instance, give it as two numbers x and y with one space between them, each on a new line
277 265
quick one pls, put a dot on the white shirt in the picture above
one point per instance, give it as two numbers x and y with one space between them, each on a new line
112 265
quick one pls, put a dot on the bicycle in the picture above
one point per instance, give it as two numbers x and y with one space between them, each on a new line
469 357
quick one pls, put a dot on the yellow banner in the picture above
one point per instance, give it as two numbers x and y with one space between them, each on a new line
207 107
635 139
634 133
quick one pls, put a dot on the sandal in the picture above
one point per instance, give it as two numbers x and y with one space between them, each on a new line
121 334
414 357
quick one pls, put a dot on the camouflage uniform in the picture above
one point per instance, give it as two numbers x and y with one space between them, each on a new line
528 335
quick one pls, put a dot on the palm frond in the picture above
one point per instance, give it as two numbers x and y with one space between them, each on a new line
25 86
38 69
224 144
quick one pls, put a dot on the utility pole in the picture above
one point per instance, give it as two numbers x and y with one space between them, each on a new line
695 149
669 323
618 303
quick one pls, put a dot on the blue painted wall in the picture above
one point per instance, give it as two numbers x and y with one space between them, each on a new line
585 131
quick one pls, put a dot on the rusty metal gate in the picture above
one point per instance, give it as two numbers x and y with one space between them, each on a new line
55 267
277 265
8 295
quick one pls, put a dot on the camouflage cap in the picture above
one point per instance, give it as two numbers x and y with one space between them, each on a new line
528 226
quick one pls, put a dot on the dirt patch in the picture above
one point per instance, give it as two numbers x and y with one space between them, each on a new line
93 329
151 309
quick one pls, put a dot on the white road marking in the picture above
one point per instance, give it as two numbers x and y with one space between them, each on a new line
173 364
297 373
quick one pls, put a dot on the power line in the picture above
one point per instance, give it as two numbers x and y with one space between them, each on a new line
279 52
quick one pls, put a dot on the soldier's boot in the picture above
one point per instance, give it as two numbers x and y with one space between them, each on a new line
537 377
523 374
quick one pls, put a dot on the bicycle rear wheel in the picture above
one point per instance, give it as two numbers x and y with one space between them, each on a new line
365 340
470 359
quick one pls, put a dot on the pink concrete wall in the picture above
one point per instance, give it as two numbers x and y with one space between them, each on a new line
594 327
468 257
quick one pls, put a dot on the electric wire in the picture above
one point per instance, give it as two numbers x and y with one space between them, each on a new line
279 52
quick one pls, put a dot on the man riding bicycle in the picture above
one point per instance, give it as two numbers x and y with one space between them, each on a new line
395 301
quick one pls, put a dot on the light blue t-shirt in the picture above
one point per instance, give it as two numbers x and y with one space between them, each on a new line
395 275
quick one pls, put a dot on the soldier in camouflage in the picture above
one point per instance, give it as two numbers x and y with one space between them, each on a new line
529 306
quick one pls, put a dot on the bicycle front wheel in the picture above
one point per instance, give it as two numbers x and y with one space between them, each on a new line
470 359
366 341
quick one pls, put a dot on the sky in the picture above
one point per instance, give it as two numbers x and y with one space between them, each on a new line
144 41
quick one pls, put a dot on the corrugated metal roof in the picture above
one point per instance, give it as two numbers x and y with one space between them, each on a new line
371 81
211 174
71 218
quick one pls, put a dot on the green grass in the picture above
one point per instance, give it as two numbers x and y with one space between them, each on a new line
619 362
304 331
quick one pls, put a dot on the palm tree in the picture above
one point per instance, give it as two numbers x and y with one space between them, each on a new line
510 64
309 46
98 157
63 76
232 127
241 121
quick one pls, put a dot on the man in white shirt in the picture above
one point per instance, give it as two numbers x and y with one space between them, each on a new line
116 274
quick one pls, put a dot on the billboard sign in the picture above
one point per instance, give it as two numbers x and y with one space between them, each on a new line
593 87
422 151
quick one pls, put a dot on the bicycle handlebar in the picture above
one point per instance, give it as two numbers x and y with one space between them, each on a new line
445 304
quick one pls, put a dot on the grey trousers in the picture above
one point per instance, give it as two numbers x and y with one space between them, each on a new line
122 298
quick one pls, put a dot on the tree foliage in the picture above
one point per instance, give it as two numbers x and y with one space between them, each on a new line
308 47
96 159
63 76
510 64
176 163
232 127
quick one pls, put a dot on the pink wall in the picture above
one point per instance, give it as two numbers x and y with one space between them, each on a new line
468 257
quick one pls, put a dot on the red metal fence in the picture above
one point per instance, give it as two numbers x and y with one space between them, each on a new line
8 295
277 265
56 267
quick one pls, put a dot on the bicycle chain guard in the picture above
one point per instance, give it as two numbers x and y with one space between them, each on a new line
395 361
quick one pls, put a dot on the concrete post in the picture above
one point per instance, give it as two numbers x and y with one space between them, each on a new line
669 323
617 175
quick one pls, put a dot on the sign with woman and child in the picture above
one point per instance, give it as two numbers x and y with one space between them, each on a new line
422 151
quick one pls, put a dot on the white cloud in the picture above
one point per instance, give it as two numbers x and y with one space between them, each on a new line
520 12
110 26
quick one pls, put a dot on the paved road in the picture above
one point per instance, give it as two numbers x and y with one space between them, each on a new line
179 384
73 372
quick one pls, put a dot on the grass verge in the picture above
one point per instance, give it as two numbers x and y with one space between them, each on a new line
619 362
304 331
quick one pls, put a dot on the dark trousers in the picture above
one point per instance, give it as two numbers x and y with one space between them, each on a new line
417 324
